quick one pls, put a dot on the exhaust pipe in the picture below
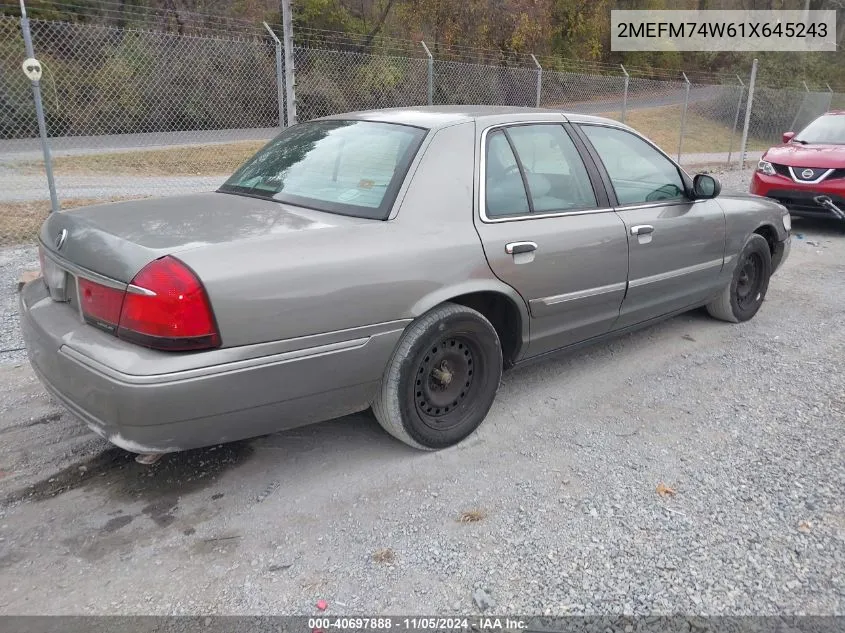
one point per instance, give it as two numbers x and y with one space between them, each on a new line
827 203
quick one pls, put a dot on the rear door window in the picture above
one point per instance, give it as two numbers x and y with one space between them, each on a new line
535 169
556 175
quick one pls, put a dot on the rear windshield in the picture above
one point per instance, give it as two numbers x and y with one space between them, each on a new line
829 128
347 167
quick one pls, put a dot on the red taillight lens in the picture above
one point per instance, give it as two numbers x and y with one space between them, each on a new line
100 304
168 309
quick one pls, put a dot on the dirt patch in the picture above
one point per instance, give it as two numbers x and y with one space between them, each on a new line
116 472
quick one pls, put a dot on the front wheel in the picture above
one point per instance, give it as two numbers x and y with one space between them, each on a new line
742 297
442 378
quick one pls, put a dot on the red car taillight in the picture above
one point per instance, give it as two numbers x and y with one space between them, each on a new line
170 310
165 307
100 304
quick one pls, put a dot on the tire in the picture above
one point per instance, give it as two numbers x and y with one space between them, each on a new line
742 297
442 378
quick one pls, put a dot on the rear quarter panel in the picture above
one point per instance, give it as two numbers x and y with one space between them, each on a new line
273 289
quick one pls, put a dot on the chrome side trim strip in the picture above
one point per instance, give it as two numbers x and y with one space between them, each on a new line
137 290
580 294
213 370
678 272
809 182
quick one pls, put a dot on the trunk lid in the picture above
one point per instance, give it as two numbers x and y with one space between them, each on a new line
118 239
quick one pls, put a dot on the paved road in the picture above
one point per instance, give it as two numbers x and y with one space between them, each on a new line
30 149
743 422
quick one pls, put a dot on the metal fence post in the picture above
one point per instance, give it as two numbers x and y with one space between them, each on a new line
290 77
39 113
280 82
829 97
625 93
747 123
539 80
430 73
736 118
683 116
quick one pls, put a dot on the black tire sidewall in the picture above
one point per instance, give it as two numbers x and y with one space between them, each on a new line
758 245
478 330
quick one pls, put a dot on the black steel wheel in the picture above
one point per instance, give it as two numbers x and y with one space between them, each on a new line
750 281
442 378
445 382
742 297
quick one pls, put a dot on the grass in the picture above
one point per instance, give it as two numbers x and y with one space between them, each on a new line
701 135
21 221
200 160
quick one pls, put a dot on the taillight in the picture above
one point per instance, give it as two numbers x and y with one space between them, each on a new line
100 304
166 307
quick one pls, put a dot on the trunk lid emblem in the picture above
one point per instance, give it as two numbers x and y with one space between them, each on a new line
60 239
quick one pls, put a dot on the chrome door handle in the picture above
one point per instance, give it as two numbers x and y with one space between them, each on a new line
642 229
514 248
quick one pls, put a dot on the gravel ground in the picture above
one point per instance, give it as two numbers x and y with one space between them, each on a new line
558 489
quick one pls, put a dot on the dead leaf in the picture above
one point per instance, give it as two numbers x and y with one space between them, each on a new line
805 526
385 555
665 491
472 516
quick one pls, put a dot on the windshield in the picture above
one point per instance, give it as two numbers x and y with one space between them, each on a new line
829 128
347 167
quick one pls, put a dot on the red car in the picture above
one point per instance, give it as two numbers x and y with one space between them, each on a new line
809 164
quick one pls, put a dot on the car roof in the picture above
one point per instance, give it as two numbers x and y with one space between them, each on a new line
433 117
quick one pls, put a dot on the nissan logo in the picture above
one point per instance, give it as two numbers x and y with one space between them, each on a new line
60 239
807 174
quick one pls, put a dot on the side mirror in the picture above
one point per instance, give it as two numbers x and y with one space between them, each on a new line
787 136
705 186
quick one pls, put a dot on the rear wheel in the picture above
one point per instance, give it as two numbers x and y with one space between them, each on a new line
742 297
442 378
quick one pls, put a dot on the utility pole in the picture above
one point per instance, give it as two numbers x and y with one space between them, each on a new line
32 68
290 77
747 114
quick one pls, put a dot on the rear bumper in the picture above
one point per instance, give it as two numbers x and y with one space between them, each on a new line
204 405
799 198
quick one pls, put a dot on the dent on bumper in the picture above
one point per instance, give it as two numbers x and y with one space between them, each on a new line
208 405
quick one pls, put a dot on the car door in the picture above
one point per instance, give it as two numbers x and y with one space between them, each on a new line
676 243
549 232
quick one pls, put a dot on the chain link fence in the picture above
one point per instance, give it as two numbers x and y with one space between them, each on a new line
328 82
129 114
133 113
